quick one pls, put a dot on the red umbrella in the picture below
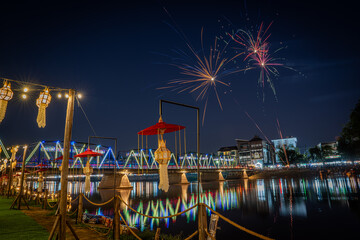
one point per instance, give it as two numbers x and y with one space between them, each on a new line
165 127
61 158
41 170
88 153
41 165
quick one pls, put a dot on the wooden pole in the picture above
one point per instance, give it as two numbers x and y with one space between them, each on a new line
116 221
202 221
21 192
80 209
12 159
65 163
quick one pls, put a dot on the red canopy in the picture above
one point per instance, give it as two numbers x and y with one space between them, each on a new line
60 158
88 153
41 165
166 127
41 170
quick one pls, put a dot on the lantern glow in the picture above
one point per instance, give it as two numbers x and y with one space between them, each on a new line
6 95
43 102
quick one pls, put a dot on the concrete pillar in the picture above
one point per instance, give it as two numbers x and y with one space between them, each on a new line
107 181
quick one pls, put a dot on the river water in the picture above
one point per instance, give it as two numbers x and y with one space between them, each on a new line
301 208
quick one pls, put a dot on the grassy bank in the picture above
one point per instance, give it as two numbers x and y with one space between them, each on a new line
14 224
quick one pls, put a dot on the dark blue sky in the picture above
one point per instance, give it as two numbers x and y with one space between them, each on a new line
112 53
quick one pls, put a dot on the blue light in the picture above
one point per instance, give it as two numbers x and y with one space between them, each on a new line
72 143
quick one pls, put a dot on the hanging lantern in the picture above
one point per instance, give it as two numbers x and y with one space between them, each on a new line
5 95
88 170
43 102
162 157
162 154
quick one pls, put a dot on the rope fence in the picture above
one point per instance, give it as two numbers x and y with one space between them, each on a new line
98 204
237 225
192 235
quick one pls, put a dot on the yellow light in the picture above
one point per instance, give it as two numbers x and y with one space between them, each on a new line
79 95
24 96
59 95
262 64
67 95
25 89
212 79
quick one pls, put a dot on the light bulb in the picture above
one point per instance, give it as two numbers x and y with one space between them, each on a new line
26 89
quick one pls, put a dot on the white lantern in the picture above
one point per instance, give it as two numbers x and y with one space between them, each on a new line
43 102
6 95
162 156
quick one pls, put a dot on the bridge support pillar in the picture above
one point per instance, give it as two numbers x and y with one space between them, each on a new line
245 174
212 176
122 181
178 178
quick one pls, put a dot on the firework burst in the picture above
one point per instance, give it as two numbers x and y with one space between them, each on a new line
203 72
258 54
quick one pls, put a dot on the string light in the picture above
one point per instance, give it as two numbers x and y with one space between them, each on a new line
6 94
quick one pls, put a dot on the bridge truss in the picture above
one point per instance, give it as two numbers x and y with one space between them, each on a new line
45 153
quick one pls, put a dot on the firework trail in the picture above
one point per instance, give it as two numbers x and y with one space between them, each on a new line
281 136
267 139
203 72
258 55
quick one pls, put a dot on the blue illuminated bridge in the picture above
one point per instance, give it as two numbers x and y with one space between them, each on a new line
44 153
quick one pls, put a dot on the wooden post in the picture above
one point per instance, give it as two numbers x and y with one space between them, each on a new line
65 163
202 222
22 176
80 209
116 221
12 159
157 234
45 199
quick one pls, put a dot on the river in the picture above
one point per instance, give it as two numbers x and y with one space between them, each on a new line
299 208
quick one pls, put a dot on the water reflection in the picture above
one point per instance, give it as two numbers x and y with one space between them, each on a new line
240 200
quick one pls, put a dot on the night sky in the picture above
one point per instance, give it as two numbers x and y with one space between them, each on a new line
118 54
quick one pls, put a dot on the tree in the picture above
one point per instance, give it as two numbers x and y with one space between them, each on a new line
349 141
320 153
292 155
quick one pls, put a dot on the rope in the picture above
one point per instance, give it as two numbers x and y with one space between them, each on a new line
75 198
92 228
85 115
98 204
53 206
237 225
133 233
206 231
192 235
70 214
171 216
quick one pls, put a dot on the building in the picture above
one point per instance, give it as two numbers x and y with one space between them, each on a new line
229 153
287 142
333 147
255 152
